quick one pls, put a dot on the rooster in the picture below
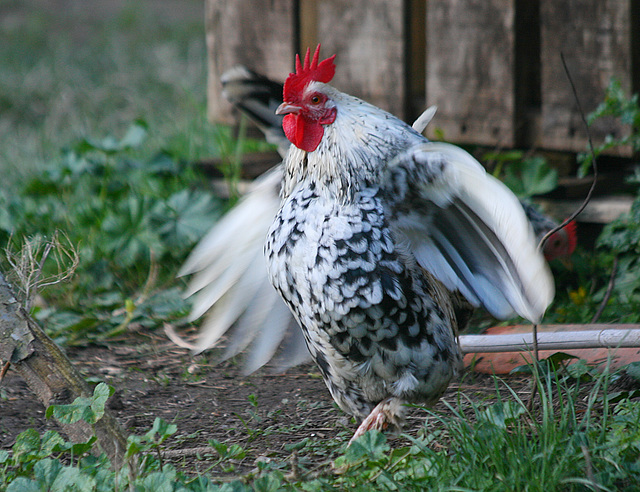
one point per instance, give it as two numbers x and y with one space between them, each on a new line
379 231
230 284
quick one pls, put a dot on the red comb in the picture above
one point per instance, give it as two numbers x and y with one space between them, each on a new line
572 235
310 71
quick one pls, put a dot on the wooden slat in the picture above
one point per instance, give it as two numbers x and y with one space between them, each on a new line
599 210
416 70
595 38
369 39
257 33
470 76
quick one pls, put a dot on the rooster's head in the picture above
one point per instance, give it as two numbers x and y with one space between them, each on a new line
306 107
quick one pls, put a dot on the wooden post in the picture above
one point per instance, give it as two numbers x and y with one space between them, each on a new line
50 375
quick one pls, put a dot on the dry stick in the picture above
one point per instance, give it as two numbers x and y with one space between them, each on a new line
607 295
574 214
4 370
50 374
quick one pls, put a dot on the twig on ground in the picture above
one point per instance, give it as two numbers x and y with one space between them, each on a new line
591 150
574 214
607 295
179 453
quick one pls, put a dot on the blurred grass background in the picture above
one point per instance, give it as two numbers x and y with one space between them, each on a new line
76 68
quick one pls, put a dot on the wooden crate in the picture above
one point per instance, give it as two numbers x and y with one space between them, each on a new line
491 66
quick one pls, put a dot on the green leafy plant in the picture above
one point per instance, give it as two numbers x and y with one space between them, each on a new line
125 217
616 105
606 281
89 409
525 175
622 238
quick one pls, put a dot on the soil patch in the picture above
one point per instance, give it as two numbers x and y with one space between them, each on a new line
265 413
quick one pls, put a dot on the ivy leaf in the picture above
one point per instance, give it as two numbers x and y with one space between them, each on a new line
52 442
22 484
101 394
88 409
267 483
27 445
45 472
186 217
530 177
159 481
72 478
163 429
502 413
372 445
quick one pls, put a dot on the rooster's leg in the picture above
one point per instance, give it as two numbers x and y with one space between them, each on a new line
388 413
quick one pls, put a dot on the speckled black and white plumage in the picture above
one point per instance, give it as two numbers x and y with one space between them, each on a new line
363 217
376 324
382 242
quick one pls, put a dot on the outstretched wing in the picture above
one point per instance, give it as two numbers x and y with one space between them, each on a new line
468 229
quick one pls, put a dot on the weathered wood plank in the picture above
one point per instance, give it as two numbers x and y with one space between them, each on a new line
416 70
257 33
595 38
369 38
599 210
470 76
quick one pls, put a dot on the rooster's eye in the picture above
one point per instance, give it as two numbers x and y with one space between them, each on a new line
315 99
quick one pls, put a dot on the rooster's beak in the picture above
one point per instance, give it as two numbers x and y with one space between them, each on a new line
286 108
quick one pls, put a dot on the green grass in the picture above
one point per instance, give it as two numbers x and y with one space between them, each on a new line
67 72
576 438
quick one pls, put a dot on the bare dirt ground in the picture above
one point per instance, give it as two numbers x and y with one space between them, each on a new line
265 413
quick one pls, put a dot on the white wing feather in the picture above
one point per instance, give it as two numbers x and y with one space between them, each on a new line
230 281
469 230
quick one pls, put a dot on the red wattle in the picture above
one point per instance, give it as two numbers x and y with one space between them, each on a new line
302 132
